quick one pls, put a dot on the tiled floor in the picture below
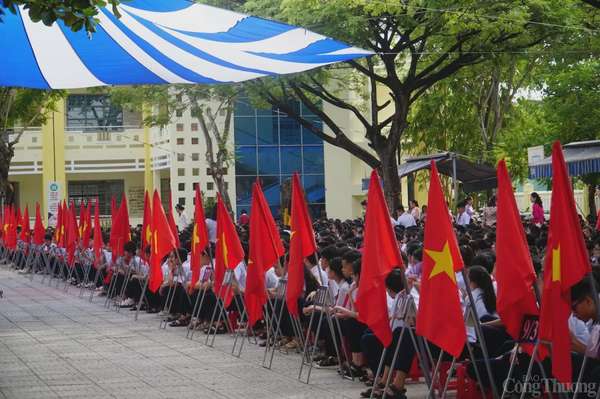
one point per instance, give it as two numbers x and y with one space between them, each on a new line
54 344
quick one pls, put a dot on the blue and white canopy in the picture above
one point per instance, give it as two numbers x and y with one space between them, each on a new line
158 42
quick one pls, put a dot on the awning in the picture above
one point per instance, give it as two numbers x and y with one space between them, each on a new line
474 176
582 157
159 42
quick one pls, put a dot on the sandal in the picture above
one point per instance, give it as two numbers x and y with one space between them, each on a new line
396 393
377 394
328 362
180 323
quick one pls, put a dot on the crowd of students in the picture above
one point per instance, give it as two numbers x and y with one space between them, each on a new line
336 265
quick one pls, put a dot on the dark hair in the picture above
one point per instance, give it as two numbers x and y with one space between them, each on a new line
415 202
536 198
492 201
182 253
351 256
583 288
48 236
130 247
418 254
335 265
483 280
310 281
356 267
394 281
329 252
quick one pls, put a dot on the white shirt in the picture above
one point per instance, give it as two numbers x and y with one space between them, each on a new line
211 227
271 278
182 222
406 220
463 219
240 275
320 275
580 329
394 221
469 210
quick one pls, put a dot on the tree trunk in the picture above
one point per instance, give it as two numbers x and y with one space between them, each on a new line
219 180
6 154
591 192
391 180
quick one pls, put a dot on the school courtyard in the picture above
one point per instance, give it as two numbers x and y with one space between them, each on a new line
54 344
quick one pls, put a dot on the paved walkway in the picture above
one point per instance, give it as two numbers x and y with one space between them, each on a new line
56 345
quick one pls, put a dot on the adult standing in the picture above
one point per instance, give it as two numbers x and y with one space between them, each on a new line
182 222
537 209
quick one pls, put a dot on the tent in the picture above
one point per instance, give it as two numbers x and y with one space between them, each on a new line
474 176
159 42
582 157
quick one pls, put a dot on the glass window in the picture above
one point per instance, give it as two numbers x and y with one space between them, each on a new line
181 172
194 127
195 156
314 186
180 141
271 188
179 127
317 210
291 160
180 157
243 107
181 186
309 137
104 190
290 132
245 160
245 130
268 160
179 113
93 112
270 112
195 172
194 140
243 189
306 111
210 186
181 201
267 130
313 161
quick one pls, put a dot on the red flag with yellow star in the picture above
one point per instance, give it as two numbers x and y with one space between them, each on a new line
163 242
229 251
566 263
440 317
98 242
265 249
302 245
514 267
146 226
199 238
380 255
172 224
38 228
25 227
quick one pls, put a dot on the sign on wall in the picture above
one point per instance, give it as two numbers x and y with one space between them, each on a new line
54 198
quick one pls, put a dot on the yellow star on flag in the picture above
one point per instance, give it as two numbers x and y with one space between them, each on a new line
556 276
148 234
443 262
225 252
195 237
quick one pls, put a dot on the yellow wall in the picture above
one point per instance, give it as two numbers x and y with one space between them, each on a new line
29 191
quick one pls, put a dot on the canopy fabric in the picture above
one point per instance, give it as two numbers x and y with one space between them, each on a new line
159 42
474 176
582 157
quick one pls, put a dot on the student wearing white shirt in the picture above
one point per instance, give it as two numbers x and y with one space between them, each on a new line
211 227
462 218
182 222
405 219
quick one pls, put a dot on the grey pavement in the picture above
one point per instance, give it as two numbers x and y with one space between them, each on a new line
54 344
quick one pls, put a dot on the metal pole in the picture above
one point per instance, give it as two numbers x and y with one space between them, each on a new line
454 180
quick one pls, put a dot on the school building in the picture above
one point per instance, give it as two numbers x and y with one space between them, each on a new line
92 148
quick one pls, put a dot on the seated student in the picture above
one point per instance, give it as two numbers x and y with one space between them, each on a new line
179 276
373 349
352 329
483 292
46 251
585 309
135 285
335 276
312 263
121 269
198 292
